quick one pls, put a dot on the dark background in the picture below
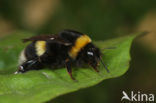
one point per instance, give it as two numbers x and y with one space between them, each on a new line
102 20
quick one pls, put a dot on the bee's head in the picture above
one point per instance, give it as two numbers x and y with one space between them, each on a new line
91 55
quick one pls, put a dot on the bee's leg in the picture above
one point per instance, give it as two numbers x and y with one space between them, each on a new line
94 67
29 65
69 69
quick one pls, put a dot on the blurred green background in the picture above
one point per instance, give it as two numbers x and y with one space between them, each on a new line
102 20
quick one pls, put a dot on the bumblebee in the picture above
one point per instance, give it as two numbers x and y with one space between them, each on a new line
64 49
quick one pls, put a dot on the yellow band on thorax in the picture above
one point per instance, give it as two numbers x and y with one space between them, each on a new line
79 44
40 47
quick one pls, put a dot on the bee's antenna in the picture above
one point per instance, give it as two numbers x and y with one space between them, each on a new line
104 65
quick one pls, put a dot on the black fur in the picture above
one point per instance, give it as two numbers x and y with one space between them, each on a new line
70 35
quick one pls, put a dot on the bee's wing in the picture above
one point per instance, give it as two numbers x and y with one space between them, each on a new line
53 38
59 41
39 37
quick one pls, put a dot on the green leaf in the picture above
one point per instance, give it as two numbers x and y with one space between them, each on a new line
46 84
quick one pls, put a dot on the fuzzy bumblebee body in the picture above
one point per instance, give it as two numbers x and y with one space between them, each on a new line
64 49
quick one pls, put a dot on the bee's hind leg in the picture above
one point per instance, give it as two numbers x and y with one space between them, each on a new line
29 65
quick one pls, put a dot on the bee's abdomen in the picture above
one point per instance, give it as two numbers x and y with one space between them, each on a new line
22 57
30 51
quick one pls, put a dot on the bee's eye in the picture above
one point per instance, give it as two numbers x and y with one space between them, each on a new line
90 53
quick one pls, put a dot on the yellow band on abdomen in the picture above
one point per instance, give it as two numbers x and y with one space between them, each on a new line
40 47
